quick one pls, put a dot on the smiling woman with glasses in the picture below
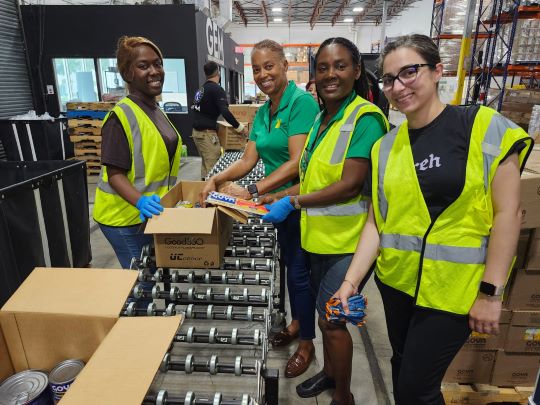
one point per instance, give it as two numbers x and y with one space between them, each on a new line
407 75
444 221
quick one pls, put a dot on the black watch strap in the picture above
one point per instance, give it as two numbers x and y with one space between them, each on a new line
253 190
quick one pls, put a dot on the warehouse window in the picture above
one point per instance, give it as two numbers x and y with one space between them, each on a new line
75 80
113 87
174 95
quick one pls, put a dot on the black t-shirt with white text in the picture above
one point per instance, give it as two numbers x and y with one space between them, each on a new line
440 152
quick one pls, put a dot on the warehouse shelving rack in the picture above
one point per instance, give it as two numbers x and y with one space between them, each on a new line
491 67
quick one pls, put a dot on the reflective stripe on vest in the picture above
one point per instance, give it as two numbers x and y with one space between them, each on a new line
455 254
344 135
384 152
138 160
491 145
340 210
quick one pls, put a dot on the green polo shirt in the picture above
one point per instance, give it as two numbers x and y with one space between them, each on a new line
295 115
366 132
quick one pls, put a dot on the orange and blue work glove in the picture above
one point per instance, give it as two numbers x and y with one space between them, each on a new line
357 310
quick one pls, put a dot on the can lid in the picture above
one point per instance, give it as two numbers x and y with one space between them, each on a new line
65 371
23 387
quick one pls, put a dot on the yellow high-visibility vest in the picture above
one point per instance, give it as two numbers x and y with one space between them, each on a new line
441 262
150 172
334 229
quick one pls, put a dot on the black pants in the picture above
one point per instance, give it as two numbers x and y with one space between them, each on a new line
424 342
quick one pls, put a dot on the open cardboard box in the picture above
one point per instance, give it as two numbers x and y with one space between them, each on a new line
59 314
191 237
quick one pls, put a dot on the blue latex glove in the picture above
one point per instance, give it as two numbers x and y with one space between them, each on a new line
148 206
279 210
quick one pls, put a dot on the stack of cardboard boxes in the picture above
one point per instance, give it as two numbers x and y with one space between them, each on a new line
512 358
518 104
245 114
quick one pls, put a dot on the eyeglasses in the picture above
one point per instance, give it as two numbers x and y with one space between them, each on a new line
406 76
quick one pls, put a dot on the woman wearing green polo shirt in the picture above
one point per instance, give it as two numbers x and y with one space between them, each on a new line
278 135
333 167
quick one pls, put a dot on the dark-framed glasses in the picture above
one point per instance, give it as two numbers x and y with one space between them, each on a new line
406 76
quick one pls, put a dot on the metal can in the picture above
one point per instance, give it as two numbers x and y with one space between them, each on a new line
30 387
62 376
184 204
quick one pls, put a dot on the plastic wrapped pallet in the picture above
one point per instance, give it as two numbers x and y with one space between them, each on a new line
43 219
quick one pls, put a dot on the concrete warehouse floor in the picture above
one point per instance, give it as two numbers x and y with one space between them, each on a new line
371 380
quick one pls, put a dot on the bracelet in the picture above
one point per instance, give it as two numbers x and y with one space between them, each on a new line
350 282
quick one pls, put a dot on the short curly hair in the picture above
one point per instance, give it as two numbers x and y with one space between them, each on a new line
125 52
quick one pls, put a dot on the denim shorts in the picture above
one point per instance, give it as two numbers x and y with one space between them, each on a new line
327 275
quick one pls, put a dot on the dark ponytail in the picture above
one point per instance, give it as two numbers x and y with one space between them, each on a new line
361 85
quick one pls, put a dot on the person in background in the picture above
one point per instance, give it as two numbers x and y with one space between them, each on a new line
209 103
444 221
333 168
311 88
140 152
277 137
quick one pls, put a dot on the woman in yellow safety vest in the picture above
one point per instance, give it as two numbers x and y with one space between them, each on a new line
444 221
140 152
333 167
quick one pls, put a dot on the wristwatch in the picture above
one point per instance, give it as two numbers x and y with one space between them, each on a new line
252 189
491 289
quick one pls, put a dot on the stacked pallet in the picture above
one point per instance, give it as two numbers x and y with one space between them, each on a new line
84 123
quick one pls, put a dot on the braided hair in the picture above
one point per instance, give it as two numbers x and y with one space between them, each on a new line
361 85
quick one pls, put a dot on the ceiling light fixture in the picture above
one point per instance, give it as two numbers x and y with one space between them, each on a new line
276 9
358 9
278 19
348 20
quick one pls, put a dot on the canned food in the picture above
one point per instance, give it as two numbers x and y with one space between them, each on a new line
62 376
30 387
184 204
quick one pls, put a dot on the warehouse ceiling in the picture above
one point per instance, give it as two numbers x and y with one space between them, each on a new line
314 12
268 12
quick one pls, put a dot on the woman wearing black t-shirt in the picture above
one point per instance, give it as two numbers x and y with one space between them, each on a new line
444 221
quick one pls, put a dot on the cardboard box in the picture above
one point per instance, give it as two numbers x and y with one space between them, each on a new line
124 365
524 333
524 291
471 366
532 260
244 112
483 341
530 191
191 237
515 369
229 138
59 314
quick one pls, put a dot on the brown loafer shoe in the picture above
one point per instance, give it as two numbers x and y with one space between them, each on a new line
299 363
283 338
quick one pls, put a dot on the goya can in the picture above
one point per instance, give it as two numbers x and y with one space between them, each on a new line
30 387
62 376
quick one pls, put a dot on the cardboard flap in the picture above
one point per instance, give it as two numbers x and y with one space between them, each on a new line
85 292
182 220
6 366
234 214
124 365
